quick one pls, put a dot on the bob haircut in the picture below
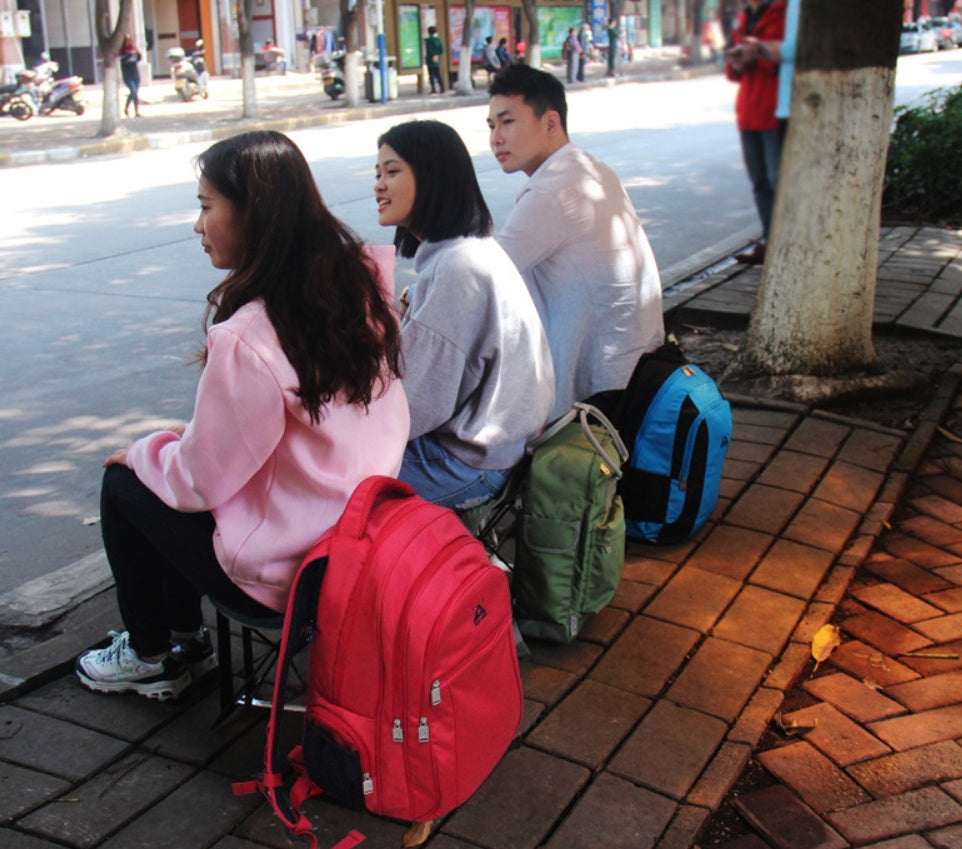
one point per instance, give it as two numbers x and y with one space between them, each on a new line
539 89
447 200
334 323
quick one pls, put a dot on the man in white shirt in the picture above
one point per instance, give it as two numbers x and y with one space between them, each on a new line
576 239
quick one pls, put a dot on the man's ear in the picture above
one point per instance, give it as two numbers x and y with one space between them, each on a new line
552 121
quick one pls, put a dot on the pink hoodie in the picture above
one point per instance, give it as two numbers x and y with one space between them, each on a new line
273 481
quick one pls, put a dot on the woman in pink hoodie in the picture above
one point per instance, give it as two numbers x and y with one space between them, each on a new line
298 401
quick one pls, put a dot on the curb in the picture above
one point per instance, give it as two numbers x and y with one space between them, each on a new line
115 145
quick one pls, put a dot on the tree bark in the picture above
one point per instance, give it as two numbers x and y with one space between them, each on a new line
109 40
349 19
532 54
814 309
465 84
246 40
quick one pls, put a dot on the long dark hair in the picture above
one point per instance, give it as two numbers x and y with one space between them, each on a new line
447 198
334 322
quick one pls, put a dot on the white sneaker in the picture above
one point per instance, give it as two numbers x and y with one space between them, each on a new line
118 669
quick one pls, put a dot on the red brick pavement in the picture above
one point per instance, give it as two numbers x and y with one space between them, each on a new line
877 759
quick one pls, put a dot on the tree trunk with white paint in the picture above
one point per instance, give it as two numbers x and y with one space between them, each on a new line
815 303
245 37
465 83
110 38
532 54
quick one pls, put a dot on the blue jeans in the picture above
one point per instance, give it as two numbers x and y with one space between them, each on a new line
762 151
441 478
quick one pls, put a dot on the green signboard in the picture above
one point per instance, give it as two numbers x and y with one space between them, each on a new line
409 32
554 23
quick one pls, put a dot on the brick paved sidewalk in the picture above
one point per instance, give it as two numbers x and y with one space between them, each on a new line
642 726
875 757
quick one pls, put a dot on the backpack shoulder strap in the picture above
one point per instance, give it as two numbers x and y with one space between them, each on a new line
298 631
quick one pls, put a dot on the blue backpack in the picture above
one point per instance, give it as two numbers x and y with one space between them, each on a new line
677 427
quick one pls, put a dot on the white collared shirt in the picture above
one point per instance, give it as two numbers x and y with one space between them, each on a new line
584 255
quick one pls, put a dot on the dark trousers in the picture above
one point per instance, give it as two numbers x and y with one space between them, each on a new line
163 563
434 75
762 152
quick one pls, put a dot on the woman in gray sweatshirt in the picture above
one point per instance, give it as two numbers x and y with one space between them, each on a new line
476 364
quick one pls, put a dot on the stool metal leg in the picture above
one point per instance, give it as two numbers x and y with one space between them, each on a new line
225 670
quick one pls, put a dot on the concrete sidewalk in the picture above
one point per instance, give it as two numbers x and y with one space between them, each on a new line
285 102
634 735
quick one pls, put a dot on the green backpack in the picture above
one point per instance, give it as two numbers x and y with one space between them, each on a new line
570 546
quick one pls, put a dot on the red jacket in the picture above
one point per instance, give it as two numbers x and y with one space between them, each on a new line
758 83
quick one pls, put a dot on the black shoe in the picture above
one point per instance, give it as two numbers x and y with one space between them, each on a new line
754 255
197 655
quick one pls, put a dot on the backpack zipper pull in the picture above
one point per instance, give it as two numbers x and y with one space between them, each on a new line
397 733
423 734
367 784
436 693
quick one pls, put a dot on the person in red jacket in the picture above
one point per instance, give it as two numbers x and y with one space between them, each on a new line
750 65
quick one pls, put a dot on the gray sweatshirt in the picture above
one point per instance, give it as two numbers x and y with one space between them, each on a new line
477 368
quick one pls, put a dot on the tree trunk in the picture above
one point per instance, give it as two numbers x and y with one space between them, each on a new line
815 303
245 38
465 84
697 15
349 19
532 54
109 40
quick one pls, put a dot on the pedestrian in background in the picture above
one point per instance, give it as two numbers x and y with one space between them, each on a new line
298 401
613 46
751 66
504 58
489 57
477 369
130 72
586 40
433 50
571 52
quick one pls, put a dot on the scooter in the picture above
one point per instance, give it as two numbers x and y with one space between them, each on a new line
332 74
16 99
189 73
49 94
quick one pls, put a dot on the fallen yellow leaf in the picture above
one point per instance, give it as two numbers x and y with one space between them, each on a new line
825 641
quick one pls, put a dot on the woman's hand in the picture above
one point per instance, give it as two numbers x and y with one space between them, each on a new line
118 458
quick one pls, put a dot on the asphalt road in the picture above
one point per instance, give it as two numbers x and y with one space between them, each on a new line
102 281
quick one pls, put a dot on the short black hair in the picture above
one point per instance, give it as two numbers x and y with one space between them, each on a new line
447 198
539 89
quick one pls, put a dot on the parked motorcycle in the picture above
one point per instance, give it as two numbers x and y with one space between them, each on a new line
49 94
189 73
16 99
332 74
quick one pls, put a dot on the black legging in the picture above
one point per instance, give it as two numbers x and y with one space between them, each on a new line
163 563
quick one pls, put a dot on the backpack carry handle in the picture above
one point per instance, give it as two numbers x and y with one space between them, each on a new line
586 410
581 411
356 514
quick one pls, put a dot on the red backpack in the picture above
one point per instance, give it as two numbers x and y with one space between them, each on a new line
413 685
